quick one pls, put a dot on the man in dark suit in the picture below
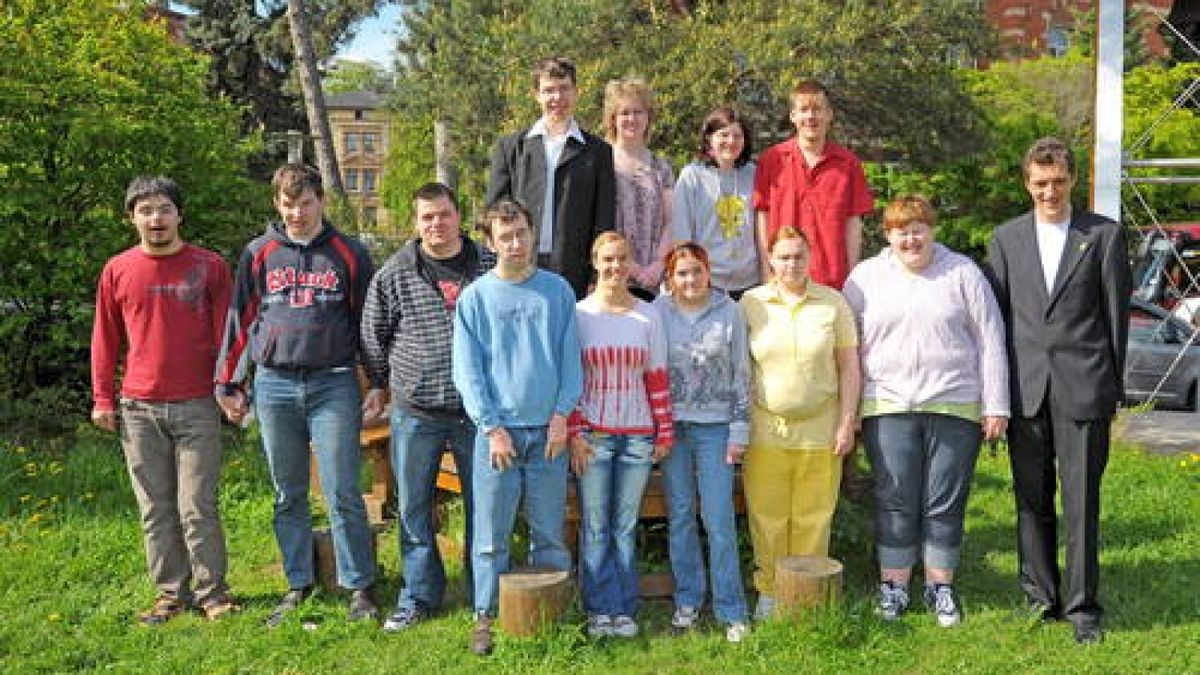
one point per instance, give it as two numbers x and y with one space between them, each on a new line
1062 279
562 174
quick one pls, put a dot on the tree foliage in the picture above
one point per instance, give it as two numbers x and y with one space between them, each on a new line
893 83
91 95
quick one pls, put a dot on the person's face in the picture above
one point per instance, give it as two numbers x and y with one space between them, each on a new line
811 115
156 219
512 240
690 281
632 120
557 96
912 244
301 214
725 145
612 264
789 261
437 223
1050 186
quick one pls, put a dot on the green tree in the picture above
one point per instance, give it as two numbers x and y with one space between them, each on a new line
91 95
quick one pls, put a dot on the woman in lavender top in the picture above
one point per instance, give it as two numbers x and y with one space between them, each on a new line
709 371
935 383
712 202
644 182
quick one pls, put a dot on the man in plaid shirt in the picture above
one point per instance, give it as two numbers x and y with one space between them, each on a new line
406 333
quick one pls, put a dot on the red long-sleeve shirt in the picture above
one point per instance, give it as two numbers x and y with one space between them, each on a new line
168 313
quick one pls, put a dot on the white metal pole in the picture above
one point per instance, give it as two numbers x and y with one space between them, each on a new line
1106 152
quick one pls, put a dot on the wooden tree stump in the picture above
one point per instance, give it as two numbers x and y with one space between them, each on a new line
807 582
532 598
326 563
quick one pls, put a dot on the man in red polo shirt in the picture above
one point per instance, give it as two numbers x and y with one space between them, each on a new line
815 185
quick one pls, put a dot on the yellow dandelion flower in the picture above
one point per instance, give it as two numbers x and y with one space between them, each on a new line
25 498
55 617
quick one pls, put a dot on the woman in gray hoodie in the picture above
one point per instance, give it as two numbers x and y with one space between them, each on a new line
709 372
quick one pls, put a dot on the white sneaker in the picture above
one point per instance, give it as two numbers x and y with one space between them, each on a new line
624 626
736 632
685 617
599 625
765 608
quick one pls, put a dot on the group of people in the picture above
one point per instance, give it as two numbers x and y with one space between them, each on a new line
612 318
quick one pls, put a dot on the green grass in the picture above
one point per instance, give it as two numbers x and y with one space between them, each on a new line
72 579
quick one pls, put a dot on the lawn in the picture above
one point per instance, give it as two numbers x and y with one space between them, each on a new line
72 579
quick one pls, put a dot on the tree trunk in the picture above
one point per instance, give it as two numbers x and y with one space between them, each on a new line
314 100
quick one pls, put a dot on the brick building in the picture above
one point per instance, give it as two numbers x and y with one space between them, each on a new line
359 124
1030 28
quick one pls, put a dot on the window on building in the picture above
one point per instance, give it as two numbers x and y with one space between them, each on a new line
351 179
360 114
350 142
1058 41
369 140
368 180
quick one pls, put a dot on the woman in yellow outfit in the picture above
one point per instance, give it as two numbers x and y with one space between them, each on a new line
806 379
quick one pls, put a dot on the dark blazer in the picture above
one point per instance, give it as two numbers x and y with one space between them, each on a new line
584 195
1072 339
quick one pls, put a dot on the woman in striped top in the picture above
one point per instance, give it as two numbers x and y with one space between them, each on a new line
622 426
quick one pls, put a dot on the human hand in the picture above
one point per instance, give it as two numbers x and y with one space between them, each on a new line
734 453
556 435
581 454
994 427
501 452
373 404
843 439
661 451
105 419
235 405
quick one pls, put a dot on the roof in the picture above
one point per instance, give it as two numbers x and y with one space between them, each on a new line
356 99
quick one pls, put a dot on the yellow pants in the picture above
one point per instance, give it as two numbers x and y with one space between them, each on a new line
790 498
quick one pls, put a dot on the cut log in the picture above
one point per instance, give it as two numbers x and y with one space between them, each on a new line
326 563
807 582
532 598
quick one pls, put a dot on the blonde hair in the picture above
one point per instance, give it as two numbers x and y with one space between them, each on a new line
608 237
617 92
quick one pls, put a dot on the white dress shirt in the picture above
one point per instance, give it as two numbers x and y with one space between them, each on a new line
554 148
1052 239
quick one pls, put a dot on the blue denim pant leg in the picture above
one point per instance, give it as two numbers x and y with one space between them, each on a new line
697 462
542 483
322 407
416 450
610 496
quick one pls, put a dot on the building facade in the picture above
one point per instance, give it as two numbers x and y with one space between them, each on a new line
1031 28
359 124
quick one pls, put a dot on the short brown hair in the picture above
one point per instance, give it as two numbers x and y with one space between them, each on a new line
684 249
617 92
908 209
809 86
1047 151
291 180
506 211
555 67
430 192
718 119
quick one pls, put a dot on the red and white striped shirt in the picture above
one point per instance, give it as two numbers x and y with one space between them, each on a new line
625 387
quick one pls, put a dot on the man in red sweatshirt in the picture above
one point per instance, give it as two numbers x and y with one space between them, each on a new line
163 303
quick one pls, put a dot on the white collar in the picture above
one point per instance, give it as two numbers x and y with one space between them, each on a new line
539 129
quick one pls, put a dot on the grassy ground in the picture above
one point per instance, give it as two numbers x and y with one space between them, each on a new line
72 579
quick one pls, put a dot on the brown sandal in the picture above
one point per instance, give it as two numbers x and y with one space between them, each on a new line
220 606
164 610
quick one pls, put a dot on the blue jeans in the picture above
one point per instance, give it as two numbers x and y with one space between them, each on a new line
543 484
322 408
697 461
610 498
417 446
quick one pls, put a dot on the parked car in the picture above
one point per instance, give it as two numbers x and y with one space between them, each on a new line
1167 268
1163 361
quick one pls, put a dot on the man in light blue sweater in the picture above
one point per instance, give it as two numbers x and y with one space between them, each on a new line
516 362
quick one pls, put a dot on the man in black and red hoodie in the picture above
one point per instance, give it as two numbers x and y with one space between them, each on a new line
298 299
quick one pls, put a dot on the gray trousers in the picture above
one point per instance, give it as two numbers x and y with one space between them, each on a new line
173 453
923 464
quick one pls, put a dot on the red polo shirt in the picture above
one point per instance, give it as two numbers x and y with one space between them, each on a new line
816 200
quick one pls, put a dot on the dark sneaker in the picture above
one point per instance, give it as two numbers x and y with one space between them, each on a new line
288 604
893 600
164 609
362 605
941 600
481 635
404 618
1088 634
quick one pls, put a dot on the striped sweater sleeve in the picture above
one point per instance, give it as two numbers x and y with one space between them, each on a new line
658 388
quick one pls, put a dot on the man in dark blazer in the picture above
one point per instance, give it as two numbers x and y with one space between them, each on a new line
562 174
1062 279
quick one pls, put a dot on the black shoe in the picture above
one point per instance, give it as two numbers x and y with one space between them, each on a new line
481 635
1036 612
1089 634
362 605
288 604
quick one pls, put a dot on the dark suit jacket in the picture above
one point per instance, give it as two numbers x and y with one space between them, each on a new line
1072 339
584 195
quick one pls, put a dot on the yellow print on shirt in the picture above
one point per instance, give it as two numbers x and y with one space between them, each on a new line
731 210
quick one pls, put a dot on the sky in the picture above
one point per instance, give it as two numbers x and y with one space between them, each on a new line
376 39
